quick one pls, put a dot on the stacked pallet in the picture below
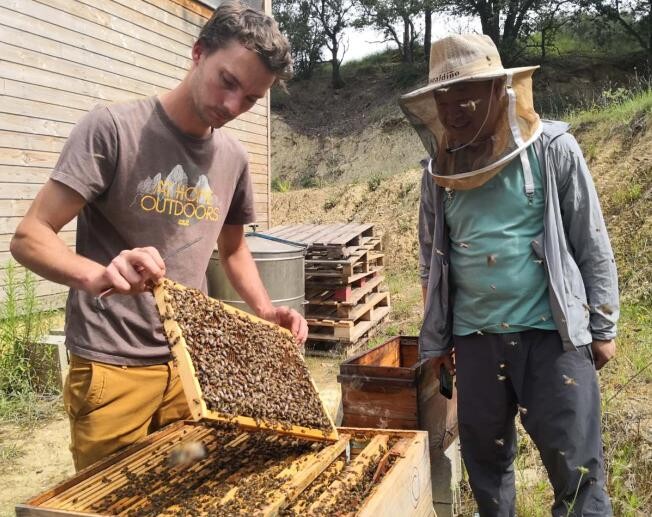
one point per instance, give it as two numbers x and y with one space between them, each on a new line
345 293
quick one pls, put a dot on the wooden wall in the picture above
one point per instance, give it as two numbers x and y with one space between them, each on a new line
60 58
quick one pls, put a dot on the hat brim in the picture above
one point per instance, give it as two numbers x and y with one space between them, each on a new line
475 77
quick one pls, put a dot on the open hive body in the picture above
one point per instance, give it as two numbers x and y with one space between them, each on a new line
367 472
240 369
389 387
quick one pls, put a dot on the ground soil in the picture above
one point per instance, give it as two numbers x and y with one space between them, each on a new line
41 460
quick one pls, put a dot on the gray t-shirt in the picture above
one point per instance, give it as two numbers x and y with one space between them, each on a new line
146 184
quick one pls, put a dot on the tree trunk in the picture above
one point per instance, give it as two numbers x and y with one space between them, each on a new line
336 77
408 56
489 24
427 36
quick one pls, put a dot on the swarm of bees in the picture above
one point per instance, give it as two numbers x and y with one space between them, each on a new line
244 367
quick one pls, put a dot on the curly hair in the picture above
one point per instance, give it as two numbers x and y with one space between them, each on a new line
254 30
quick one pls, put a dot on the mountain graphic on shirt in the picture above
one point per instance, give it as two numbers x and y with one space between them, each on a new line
172 196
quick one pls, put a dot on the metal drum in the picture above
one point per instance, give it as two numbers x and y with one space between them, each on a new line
280 265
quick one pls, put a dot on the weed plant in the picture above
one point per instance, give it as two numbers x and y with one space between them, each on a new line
28 380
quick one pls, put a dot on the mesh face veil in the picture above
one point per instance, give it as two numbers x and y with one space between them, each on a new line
503 122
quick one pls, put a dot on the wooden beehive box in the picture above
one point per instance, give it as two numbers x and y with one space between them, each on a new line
388 387
244 473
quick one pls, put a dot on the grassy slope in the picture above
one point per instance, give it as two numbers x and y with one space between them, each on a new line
618 147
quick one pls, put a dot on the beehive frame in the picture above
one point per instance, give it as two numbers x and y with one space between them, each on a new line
192 389
404 489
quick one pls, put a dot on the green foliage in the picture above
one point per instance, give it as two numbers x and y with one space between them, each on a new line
628 194
395 19
407 75
309 181
9 453
633 16
25 367
280 185
306 39
373 183
606 103
331 203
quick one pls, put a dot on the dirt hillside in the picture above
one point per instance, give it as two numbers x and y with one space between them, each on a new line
620 157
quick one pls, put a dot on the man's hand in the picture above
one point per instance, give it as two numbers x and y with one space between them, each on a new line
130 272
603 352
448 360
291 320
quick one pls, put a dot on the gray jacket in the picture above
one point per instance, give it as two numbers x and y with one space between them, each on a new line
574 245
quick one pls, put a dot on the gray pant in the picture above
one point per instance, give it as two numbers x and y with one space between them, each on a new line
557 396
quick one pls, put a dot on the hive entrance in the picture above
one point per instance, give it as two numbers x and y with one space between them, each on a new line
238 368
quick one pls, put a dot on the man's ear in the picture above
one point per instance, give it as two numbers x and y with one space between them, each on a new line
197 50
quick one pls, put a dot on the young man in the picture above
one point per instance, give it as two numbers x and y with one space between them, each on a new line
147 180
518 276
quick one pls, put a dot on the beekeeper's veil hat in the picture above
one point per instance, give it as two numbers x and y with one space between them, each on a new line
467 165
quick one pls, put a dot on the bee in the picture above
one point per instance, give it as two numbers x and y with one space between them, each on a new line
569 381
471 104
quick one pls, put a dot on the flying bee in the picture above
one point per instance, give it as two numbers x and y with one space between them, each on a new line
471 104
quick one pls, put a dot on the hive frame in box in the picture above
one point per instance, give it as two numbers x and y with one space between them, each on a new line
405 489
192 389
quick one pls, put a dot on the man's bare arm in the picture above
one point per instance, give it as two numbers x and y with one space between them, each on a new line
243 274
37 246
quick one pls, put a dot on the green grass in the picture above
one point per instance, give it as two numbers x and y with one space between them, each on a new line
615 110
628 452
29 383
30 410
9 453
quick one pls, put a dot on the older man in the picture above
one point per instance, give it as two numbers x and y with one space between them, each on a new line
147 179
518 276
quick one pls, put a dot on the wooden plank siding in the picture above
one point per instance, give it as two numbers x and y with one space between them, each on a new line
61 58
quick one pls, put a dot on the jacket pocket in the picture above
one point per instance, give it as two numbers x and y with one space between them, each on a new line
578 308
537 246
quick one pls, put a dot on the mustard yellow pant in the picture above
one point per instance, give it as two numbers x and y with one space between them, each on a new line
111 407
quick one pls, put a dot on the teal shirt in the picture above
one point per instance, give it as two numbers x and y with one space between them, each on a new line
499 284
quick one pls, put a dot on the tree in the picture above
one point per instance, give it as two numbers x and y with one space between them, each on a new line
506 22
303 32
427 33
333 16
386 15
634 16
550 20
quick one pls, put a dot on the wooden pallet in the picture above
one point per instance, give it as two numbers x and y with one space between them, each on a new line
340 349
398 459
192 388
336 331
337 280
348 312
360 263
343 296
331 241
337 252
337 234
